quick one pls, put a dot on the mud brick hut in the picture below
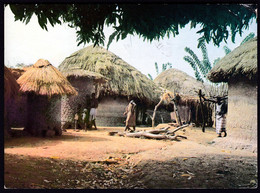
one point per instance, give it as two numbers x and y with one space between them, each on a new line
18 108
86 83
44 85
125 83
239 70
186 89
11 89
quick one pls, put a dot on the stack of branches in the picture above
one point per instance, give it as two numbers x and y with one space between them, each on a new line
167 132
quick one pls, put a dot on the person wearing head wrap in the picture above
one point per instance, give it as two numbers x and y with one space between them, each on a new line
130 116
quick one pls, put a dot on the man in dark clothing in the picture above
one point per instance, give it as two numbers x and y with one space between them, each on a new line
93 110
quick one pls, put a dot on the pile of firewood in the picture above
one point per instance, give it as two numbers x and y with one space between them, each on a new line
167 132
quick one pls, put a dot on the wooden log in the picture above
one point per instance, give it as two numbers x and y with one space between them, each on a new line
181 136
157 131
174 124
154 112
178 128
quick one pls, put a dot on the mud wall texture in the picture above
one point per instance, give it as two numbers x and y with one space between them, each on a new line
17 111
69 104
110 111
242 113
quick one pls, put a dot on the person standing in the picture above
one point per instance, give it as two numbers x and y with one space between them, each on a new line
221 111
131 116
93 111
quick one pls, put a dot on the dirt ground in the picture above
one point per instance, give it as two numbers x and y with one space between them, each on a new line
93 159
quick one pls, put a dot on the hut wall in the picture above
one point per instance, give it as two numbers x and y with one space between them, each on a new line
53 114
69 104
17 111
43 113
242 112
110 111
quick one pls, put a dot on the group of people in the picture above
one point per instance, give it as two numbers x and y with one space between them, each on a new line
90 112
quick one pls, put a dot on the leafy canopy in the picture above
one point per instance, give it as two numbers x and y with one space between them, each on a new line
149 21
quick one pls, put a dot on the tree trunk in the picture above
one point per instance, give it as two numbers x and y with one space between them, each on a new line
154 112
178 118
202 113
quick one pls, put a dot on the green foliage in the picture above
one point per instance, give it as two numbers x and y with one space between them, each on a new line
216 61
201 68
150 76
227 50
248 37
193 64
148 21
164 67
205 66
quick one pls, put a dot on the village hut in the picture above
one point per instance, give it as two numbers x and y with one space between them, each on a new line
44 84
11 89
188 102
18 108
86 83
239 70
125 83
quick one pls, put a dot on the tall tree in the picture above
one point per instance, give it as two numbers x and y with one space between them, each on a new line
200 67
149 21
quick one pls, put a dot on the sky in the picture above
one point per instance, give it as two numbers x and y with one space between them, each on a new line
28 43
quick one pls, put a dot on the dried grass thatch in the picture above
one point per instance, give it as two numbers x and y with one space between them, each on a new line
125 80
11 87
44 79
181 83
241 62
80 73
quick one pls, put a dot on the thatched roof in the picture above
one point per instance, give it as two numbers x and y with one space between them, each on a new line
80 73
44 79
241 62
17 72
125 80
11 87
179 82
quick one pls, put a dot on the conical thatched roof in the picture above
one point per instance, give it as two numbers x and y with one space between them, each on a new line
125 80
80 73
11 87
44 79
179 82
241 62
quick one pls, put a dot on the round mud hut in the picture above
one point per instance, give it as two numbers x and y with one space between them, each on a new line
186 89
18 108
239 70
11 89
86 83
44 85
125 83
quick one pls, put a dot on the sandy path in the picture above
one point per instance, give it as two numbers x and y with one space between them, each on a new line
98 145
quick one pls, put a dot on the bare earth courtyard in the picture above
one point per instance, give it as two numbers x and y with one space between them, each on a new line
93 159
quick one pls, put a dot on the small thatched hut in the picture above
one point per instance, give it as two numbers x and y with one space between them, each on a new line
125 83
44 85
11 89
239 70
86 83
186 88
